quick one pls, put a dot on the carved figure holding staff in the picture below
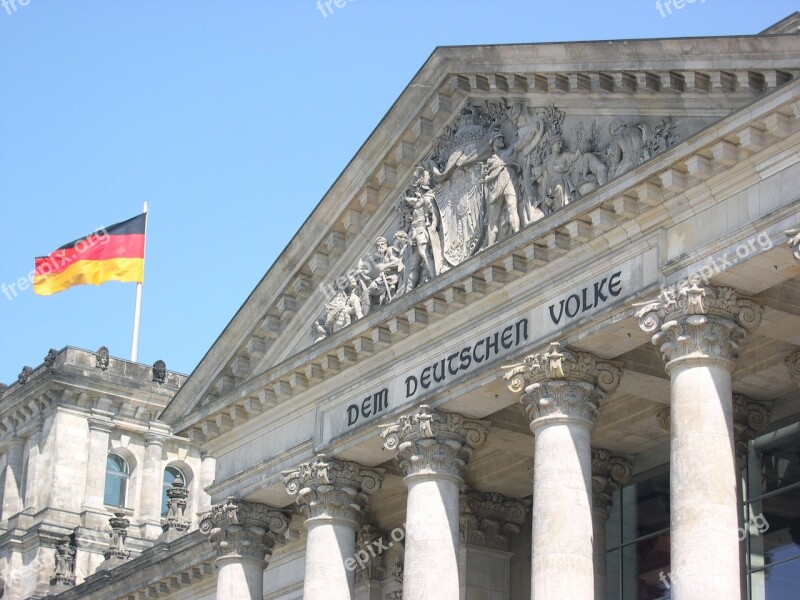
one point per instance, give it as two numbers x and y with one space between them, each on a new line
502 172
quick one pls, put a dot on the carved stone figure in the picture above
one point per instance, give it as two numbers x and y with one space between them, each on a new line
556 182
534 207
589 172
386 267
625 150
318 331
496 169
502 175
50 359
64 575
101 358
25 375
422 264
159 371
337 314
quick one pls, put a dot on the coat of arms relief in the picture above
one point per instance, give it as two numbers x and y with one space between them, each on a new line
497 169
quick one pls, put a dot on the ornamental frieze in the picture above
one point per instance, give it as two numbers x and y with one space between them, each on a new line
497 169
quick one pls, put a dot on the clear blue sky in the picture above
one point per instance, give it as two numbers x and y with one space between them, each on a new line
231 119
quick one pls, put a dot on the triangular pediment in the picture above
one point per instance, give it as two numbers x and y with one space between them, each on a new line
484 142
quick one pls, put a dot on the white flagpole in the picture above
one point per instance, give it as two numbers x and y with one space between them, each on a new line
137 313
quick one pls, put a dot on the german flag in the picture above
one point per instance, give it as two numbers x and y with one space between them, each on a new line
115 253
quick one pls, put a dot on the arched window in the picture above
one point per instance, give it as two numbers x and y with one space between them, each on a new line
117 475
170 473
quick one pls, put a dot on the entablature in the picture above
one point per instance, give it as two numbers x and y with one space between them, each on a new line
645 199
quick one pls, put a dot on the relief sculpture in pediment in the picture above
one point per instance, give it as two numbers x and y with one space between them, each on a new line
497 169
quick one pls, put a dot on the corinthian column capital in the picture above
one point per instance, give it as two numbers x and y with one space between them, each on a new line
433 443
246 530
792 362
326 488
562 385
749 419
794 241
696 322
490 519
609 473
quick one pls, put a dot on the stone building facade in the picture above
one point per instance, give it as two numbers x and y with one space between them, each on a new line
554 350
81 442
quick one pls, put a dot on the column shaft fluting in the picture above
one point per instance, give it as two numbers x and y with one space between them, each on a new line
328 546
431 530
562 518
240 578
704 516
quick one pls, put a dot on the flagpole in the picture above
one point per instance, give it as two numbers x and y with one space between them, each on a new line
137 313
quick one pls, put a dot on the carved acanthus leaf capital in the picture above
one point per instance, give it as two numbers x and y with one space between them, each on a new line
326 487
371 542
244 529
429 442
489 519
562 383
609 473
792 362
794 241
663 417
749 419
692 320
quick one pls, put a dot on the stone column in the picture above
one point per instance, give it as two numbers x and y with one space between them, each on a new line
749 419
244 534
12 492
152 484
99 434
697 329
332 495
207 472
32 476
609 474
792 362
433 450
562 395
370 562
487 522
